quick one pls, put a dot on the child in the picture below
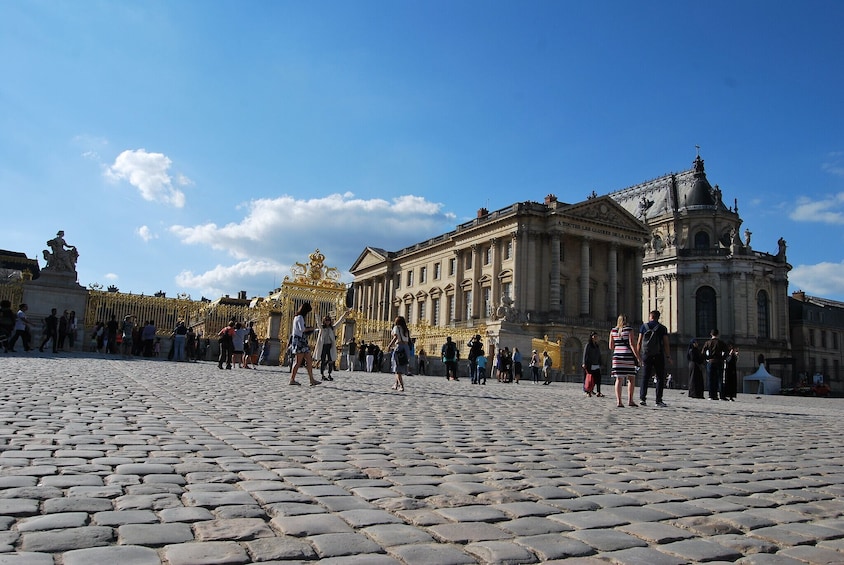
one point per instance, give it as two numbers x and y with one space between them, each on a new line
481 361
156 349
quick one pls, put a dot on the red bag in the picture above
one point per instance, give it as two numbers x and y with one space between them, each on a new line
589 383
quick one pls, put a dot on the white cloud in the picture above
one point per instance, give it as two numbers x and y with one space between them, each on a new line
286 228
829 210
148 172
111 276
822 279
146 234
275 233
222 279
834 164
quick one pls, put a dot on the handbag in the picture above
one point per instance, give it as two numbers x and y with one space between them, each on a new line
401 356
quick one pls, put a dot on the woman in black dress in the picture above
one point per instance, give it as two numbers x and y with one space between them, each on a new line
695 358
730 374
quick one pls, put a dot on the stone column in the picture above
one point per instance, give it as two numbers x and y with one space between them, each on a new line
612 303
554 289
459 269
584 276
637 296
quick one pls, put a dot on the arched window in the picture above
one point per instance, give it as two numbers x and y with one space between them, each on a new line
702 241
763 314
705 311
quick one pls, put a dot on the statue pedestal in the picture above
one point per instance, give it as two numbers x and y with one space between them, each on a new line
57 290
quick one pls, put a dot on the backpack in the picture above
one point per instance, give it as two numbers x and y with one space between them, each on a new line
450 350
652 341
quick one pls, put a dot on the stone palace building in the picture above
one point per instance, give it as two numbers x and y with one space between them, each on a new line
560 271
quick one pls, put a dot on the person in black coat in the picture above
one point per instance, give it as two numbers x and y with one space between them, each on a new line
695 358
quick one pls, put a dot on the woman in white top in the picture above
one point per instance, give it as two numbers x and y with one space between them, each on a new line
400 344
300 344
326 345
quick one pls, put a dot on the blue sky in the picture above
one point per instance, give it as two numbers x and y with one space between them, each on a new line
204 147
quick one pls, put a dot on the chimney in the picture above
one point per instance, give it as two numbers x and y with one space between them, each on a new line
483 212
799 295
242 295
550 199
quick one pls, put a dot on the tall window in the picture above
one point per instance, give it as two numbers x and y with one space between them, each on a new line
437 271
763 321
705 311
408 313
506 289
398 280
452 266
487 255
467 297
834 340
421 311
451 304
487 297
469 260
435 314
410 277
423 275
702 242
508 250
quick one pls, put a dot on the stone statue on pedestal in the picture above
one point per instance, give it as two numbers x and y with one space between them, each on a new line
63 257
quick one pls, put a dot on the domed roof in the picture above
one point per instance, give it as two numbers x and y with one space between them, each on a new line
701 191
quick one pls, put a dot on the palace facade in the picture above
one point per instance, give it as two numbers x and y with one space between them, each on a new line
529 271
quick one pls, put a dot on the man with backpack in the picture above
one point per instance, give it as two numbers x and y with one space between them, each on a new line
654 350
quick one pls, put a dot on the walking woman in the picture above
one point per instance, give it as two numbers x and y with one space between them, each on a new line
625 359
300 345
400 344
326 345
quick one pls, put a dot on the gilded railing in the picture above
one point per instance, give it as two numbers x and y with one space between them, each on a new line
13 292
164 312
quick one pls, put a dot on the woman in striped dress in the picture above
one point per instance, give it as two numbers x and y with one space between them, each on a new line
625 359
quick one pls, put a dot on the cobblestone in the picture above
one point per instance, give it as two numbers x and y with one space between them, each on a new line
145 462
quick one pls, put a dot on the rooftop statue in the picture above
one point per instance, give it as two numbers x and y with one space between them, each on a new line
63 257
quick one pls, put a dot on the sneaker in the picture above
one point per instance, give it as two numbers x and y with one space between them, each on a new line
643 403
662 404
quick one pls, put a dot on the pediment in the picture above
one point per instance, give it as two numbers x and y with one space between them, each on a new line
607 212
371 256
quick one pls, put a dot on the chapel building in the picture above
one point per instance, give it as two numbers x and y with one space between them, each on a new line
701 273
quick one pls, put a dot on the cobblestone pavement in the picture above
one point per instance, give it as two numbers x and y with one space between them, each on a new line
135 462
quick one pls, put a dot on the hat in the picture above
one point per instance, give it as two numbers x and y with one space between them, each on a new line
534 351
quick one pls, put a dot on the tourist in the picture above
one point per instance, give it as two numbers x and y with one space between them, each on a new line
191 345
423 361
180 334
148 338
715 352
450 357
362 355
128 328
517 365
7 323
695 358
546 367
371 350
534 366
481 359
250 346
71 329
625 360
400 346
326 345
22 329
654 352
300 345
592 364
63 325
730 374
226 340
110 339
475 347
351 354
51 327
